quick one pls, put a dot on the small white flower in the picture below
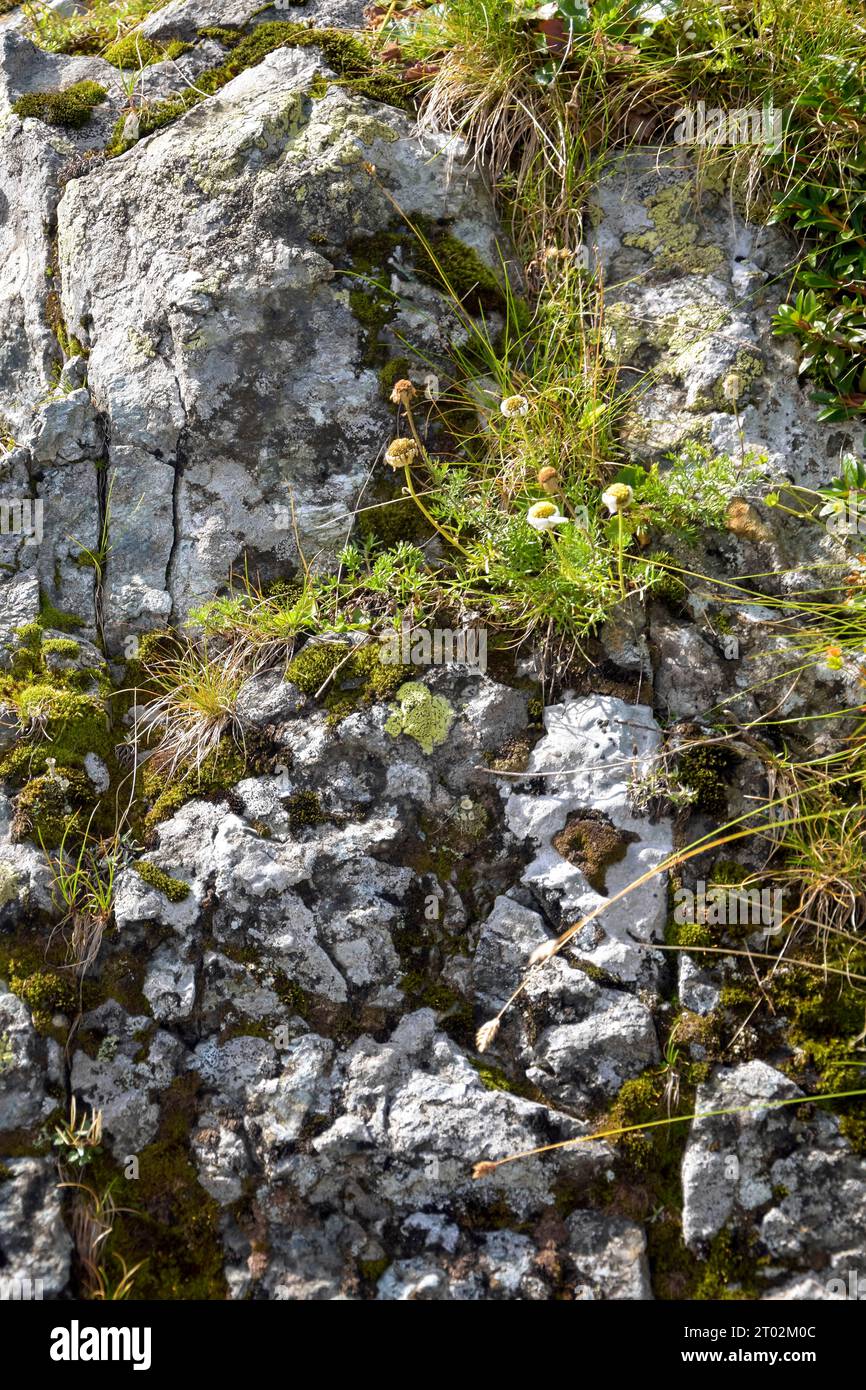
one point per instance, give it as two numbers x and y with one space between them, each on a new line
544 516
514 405
618 497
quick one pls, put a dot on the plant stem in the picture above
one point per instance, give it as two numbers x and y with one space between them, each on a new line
424 512
446 535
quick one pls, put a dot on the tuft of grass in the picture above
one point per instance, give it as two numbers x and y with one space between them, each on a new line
84 885
93 1218
102 23
191 695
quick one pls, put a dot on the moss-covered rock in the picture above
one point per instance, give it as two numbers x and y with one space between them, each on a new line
46 992
304 810
71 107
349 56
705 770
359 676
53 807
135 50
132 51
166 1221
168 792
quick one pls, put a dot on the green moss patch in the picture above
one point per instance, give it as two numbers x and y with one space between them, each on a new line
359 675
438 258
52 806
132 51
441 258
216 776
70 107
136 51
172 888
44 990
592 843
166 1218
305 810
350 58
390 519
705 770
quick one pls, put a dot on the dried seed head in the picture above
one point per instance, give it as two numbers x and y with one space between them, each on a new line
543 953
404 392
486 1034
549 479
401 453
483 1170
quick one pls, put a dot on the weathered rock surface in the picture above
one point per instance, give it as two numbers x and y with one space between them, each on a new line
201 270
795 1180
592 750
690 301
34 1241
362 902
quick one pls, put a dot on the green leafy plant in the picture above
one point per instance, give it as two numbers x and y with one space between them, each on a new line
79 1137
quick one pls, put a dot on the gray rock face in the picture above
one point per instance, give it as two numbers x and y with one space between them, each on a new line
31 156
592 750
610 1255
268 699
24 1100
579 1041
690 300
125 1086
408 1119
795 1180
34 1241
359 903
230 367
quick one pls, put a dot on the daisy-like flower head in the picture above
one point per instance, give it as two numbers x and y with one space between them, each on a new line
618 497
401 453
514 405
732 387
835 507
544 516
404 392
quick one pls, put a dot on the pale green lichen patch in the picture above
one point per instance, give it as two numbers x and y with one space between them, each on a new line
736 386
420 715
680 335
8 884
673 240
